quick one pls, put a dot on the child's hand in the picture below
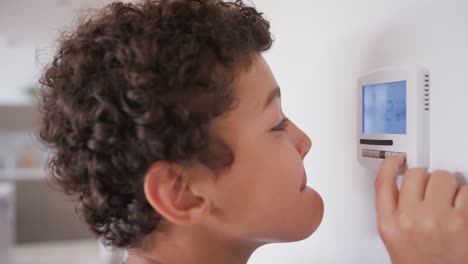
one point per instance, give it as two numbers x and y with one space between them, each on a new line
427 221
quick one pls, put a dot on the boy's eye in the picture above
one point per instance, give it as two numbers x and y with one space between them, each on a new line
282 126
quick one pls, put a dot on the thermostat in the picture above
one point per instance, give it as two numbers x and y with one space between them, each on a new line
393 116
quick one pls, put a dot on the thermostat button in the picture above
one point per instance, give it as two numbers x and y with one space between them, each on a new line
376 154
382 154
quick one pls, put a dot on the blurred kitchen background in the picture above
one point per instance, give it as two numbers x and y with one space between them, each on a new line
37 224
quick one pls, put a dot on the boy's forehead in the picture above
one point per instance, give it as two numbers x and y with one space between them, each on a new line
254 87
251 88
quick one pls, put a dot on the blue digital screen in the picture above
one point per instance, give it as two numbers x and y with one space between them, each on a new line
384 108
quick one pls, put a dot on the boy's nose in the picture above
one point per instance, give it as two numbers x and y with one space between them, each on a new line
304 143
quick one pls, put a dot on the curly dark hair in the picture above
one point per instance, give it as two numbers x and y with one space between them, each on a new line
134 84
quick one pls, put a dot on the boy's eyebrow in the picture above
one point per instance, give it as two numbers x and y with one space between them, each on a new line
273 94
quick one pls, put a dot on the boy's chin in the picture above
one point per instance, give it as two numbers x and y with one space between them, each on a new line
313 218
307 222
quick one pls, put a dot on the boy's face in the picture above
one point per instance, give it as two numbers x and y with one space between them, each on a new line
262 197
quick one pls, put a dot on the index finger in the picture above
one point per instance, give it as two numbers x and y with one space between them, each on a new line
386 189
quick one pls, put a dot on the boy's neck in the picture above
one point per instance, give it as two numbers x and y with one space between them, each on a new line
178 245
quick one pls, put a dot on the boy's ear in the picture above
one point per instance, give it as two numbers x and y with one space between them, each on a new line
169 192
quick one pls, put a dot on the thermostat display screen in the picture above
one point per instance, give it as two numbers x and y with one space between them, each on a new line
384 108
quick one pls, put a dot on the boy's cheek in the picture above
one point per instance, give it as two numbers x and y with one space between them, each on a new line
271 211
282 222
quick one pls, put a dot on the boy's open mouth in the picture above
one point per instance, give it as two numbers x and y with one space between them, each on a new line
304 181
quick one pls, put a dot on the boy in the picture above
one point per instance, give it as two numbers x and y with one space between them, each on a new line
167 127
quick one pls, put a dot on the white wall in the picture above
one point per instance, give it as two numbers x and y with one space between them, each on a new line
321 48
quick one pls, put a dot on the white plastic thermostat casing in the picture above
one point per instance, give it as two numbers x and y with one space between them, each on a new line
376 138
